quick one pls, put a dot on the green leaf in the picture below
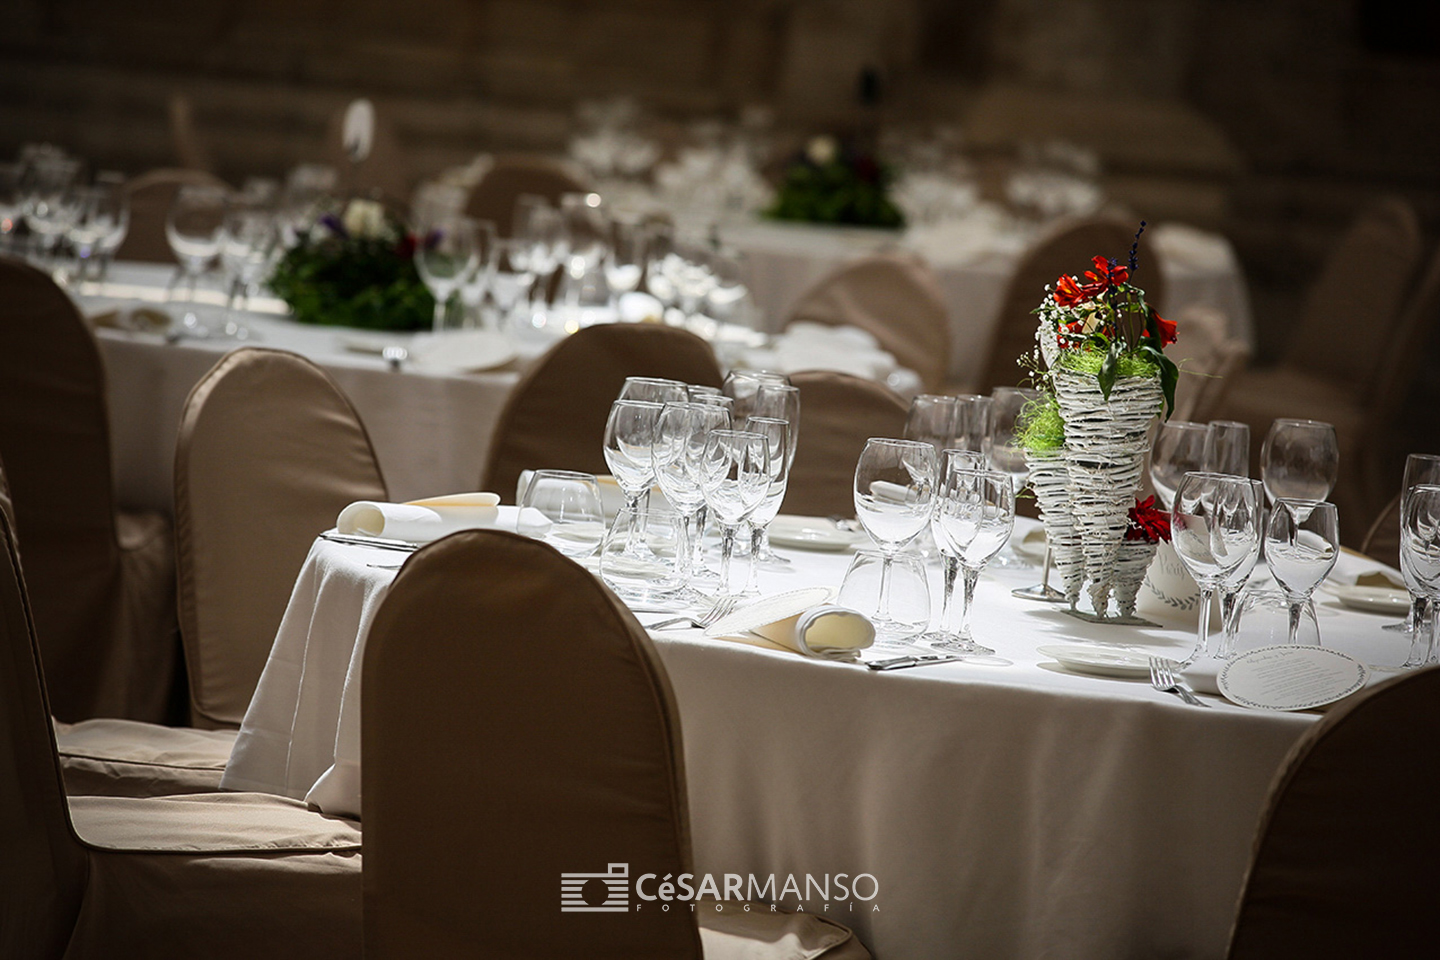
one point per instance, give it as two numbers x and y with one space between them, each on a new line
1109 370
1169 375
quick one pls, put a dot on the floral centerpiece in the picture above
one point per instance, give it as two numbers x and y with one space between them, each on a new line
355 270
1149 525
1104 377
840 183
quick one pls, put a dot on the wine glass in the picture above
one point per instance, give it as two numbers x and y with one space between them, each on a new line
1299 460
1420 549
1214 524
1179 449
1302 543
894 491
562 508
541 234
778 401
680 434
629 448
932 419
446 254
974 515
625 257
689 270
1233 584
727 268
741 386
249 240
779 440
472 294
654 389
101 212
50 198
193 227
510 277
586 228
1007 455
1421 469
973 418
734 472
1227 447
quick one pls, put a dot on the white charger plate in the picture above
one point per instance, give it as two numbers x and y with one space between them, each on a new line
811 533
768 610
465 351
1395 603
1124 664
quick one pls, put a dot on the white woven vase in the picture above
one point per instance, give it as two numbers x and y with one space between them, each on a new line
1105 446
1130 566
1050 479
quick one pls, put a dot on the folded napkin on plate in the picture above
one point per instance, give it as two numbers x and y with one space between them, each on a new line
1380 579
827 632
420 521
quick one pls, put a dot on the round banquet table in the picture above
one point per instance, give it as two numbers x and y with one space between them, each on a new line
1012 810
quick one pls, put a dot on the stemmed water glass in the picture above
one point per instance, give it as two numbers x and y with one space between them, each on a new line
973 418
102 212
51 201
1179 449
1234 582
1421 469
446 254
777 400
1420 551
894 491
734 472
680 434
540 233
1006 453
779 440
1299 460
727 268
629 450
973 518
472 293
1214 525
510 277
1302 543
194 228
1227 447
249 245
932 418
742 386
625 257
653 389
587 240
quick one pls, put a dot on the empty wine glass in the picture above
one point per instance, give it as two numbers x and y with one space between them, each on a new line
510 277
1420 548
1227 447
1299 460
625 258
102 211
778 441
1179 449
894 491
446 254
194 227
51 201
973 517
540 231
741 386
680 434
973 418
472 294
1007 455
734 475
1233 584
932 419
1421 469
1214 525
587 239
778 401
629 448
1302 543
562 508
727 268
249 242
654 389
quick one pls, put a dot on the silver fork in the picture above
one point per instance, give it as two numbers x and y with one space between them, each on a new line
721 608
1162 678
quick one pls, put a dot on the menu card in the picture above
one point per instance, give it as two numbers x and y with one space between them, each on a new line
1288 677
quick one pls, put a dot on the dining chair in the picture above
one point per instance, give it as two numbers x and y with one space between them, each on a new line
1208 358
513 745
150 196
214 875
1068 248
1382 540
897 299
555 417
493 198
270 451
1363 412
102 580
384 173
838 413
1345 853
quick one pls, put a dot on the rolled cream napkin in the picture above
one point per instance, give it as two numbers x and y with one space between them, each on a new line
420 521
827 632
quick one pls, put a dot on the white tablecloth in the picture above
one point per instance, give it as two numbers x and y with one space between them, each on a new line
1007 811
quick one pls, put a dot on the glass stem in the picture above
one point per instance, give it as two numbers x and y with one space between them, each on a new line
947 609
1296 607
440 313
882 605
972 576
1045 572
1228 600
1431 654
683 558
757 532
1202 630
727 546
697 560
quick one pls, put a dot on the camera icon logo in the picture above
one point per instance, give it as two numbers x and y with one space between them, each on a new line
607 892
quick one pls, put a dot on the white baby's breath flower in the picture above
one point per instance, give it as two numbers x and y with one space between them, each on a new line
364 218
822 150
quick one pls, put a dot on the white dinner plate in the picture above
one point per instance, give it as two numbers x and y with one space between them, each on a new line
1100 661
465 351
768 610
1032 545
811 533
1385 600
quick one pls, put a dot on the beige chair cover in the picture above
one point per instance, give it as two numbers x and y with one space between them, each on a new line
1362 286
1344 861
190 149
494 196
838 413
102 583
150 197
385 172
270 451
896 298
1208 358
217 876
509 739
1382 540
1068 249
555 417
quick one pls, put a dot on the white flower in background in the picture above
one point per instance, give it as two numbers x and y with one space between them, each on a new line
822 150
364 218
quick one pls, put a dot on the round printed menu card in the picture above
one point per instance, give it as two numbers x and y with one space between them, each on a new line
1291 677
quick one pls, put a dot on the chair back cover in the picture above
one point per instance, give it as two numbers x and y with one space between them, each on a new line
1362 285
1069 249
150 196
7 506
103 655
1207 356
510 740
494 196
1345 855
896 298
555 417
43 874
270 451
838 413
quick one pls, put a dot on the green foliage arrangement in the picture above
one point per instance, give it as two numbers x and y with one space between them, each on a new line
834 183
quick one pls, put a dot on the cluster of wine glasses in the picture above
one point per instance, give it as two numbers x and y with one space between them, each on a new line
1419 550
1218 524
694 279
50 211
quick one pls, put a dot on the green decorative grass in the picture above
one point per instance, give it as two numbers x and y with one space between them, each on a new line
1041 428
1089 361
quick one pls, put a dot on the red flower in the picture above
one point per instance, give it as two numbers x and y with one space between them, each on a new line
1068 292
1166 328
1108 275
1148 523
